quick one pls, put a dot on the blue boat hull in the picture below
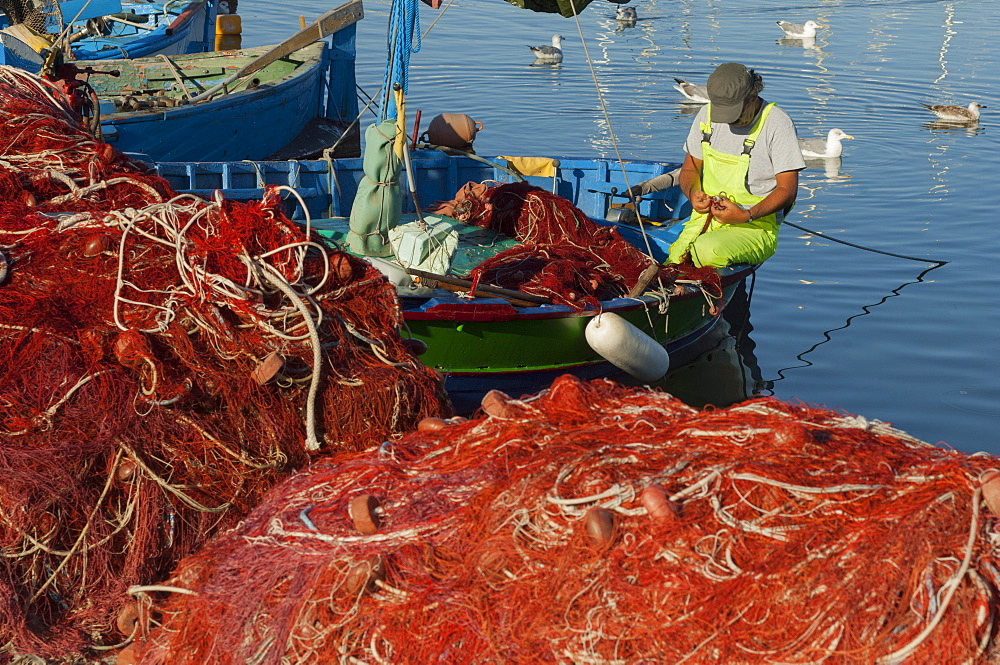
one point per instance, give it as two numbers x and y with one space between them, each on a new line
250 124
247 126
169 28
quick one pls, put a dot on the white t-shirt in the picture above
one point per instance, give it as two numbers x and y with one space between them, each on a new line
776 150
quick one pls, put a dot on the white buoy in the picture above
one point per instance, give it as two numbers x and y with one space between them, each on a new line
627 348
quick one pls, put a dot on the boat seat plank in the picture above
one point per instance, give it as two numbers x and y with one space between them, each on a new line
185 73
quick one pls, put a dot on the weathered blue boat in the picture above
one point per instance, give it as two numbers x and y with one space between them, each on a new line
111 29
230 105
490 341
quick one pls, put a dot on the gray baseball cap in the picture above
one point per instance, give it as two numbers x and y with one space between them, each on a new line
728 87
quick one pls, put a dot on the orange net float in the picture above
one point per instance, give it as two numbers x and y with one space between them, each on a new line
453 130
806 535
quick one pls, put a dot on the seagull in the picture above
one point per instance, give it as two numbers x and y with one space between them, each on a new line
549 53
695 93
824 148
957 113
800 30
627 14
620 2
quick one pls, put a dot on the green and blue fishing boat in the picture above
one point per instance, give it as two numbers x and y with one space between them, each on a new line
493 339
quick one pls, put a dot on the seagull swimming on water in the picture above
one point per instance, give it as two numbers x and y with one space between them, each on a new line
824 148
627 14
799 30
695 93
956 113
549 53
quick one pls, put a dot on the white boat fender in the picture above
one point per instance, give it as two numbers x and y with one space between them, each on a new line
396 274
627 348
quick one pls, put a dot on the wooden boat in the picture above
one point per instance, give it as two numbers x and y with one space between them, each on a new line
231 105
483 343
115 29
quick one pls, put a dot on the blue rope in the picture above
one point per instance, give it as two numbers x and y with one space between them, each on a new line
403 39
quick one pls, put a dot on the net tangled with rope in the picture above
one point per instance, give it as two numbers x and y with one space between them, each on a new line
164 360
564 255
592 523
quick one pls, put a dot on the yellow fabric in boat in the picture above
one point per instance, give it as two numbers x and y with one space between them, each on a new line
543 167
28 36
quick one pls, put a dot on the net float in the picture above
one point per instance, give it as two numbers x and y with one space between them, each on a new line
491 565
128 619
96 245
457 420
496 403
989 480
600 524
656 503
363 574
126 471
364 514
46 522
268 368
341 266
431 425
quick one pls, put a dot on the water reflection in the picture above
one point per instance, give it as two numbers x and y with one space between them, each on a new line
801 42
545 63
828 334
725 371
721 368
970 128
831 168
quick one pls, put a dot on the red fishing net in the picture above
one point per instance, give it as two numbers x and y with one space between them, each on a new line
565 255
597 524
164 360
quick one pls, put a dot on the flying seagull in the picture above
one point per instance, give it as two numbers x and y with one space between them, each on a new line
549 53
695 93
824 148
957 113
799 30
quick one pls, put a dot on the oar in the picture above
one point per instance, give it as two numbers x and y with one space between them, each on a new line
327 24
483 290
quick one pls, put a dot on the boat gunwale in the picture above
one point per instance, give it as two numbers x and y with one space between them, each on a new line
452 308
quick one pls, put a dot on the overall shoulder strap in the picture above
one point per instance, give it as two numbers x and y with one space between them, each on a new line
706 127
758 127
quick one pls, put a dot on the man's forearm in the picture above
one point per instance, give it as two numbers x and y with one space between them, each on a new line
779 199
690 179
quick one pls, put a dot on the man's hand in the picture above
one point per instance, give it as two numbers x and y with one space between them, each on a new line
727 212
700 201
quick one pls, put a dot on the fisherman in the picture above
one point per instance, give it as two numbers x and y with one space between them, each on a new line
741 173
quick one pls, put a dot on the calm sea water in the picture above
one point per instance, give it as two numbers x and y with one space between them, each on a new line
831 325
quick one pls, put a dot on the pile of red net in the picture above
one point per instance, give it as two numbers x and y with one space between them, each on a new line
164 361
564 255
597 524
